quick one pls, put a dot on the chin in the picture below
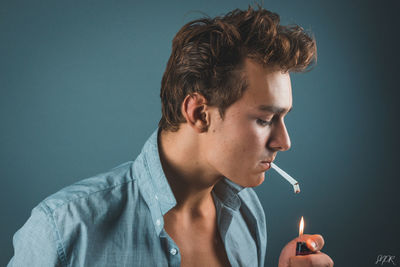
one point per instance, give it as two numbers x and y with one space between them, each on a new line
258 181
253 182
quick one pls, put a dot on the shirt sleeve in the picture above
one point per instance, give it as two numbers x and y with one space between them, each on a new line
37 242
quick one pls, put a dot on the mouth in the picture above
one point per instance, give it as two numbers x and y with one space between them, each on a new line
266 165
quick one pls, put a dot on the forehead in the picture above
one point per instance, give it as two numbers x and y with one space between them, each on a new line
266 86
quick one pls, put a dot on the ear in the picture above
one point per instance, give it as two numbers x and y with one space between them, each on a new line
194 109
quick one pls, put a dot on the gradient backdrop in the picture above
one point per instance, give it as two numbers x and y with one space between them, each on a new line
79 94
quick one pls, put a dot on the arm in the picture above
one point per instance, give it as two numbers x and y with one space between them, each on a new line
37 242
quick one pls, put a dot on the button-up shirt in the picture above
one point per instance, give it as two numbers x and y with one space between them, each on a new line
116 219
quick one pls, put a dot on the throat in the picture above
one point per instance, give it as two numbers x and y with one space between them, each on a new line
198 238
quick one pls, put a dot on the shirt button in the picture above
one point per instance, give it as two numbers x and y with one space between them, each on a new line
158 222
173 251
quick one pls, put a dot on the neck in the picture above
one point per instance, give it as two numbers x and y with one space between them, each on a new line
190 177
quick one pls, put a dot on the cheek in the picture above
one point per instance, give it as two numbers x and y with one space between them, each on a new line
249 133
252 147
244 143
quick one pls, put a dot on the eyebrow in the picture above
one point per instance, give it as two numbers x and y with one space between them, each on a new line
274 109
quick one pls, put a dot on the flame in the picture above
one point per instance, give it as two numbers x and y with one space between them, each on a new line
301 228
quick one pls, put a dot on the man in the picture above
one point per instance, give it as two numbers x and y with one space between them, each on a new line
187 199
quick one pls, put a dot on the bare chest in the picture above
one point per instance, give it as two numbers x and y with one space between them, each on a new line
199 246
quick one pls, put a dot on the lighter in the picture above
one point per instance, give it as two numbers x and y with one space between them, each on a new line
301 247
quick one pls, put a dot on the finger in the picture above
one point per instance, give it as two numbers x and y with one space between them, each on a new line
318 259
315 242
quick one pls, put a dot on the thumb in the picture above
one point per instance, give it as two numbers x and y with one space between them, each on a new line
315 242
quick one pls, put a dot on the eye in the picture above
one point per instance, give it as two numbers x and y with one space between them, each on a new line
263 123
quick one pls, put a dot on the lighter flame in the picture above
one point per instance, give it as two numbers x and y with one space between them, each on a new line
301 228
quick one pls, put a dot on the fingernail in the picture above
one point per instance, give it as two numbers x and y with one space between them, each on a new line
314 245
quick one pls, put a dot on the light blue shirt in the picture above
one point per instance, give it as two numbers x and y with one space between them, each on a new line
116 219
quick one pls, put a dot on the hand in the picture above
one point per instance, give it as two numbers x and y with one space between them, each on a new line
315 243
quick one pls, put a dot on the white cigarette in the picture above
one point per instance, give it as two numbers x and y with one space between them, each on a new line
289 178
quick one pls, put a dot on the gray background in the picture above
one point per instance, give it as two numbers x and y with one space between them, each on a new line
79 95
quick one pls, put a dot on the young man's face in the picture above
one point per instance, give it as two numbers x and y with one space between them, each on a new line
253 129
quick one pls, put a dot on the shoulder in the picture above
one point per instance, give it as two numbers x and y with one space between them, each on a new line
76 214
90 189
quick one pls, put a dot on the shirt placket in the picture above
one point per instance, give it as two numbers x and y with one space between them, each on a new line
171 249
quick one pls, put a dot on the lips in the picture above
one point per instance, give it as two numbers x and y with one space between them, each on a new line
266 165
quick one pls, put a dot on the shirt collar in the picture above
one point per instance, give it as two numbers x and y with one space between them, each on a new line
226 190
162 190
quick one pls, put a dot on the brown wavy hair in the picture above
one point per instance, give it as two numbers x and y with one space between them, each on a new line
208 54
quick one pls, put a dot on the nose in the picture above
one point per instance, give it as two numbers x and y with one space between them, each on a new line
279 139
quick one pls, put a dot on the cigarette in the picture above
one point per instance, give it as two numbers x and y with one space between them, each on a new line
289 178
